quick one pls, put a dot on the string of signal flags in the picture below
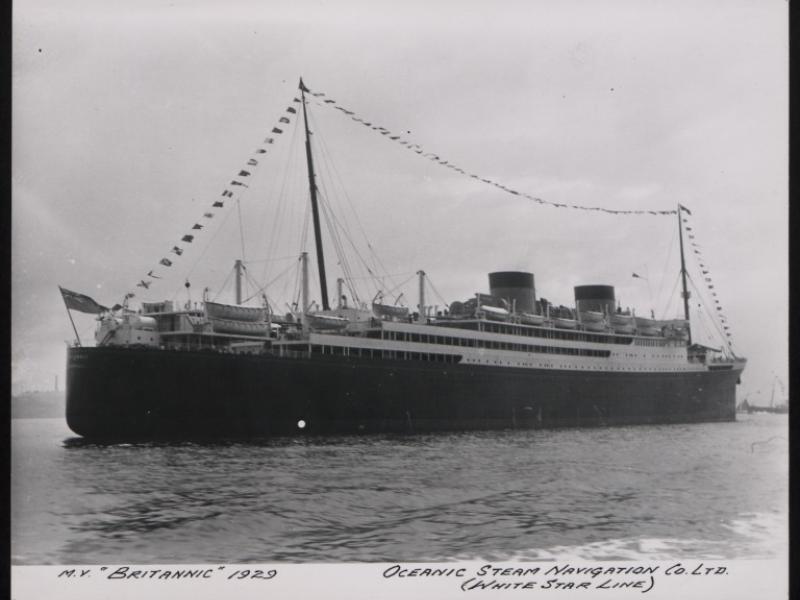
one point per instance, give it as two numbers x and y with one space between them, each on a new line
229 194
238 182
706 272
413 147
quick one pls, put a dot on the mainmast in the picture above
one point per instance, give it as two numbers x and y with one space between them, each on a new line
314 208
685 293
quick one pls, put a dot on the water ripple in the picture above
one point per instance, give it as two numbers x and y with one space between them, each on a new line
616 493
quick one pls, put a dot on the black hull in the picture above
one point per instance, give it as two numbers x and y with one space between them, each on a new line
123 393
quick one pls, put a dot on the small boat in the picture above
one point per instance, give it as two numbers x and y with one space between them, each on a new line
649 327
624 328
781 407
321 321
531 319
595 326
592 316
620 319
563 323
256 328
649 331
387 311
494 313
234 312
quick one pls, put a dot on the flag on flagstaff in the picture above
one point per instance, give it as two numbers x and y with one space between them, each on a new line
81 302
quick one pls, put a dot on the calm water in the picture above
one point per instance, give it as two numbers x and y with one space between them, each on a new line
715 490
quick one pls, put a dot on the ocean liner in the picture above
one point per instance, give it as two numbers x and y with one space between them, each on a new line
506 359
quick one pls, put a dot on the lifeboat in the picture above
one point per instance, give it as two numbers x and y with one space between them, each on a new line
387 311
234 312
239 327
595 326
649 327
592 316
321 321
494 313
531 319
563 323
621 319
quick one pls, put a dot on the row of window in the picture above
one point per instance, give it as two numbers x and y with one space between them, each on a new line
489 345
400 336
542 332
652 342
385 354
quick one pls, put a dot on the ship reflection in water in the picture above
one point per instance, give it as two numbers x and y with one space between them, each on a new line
704 490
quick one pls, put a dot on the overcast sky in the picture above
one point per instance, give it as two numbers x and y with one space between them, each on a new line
131 117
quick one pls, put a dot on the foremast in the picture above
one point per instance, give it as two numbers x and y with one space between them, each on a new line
685 291
312 186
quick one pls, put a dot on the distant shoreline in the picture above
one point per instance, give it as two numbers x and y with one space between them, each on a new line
38 405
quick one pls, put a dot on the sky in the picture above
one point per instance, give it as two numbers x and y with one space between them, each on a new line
129 119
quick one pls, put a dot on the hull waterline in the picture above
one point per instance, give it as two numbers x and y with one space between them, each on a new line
115 393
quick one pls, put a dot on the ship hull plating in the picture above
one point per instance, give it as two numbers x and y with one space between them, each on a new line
125 393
